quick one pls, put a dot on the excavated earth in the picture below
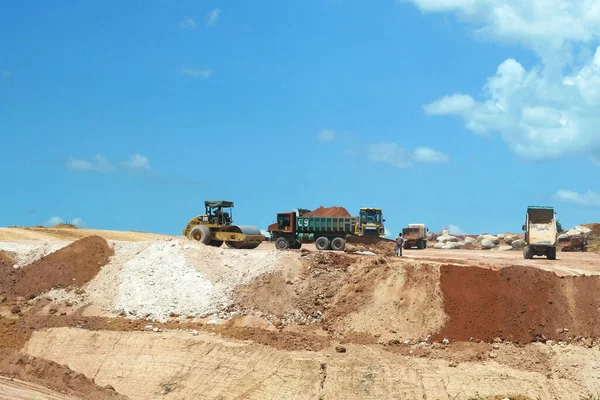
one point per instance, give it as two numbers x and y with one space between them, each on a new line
173 318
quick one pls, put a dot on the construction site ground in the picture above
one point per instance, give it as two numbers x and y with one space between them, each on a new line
139 316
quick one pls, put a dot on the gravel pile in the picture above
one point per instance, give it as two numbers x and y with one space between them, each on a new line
27 253
155 280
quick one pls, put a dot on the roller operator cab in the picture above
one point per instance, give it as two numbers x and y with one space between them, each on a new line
215 226
540 232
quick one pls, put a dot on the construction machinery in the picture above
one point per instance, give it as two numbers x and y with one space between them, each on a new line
328 232
415 235
575 243
215 226
540 233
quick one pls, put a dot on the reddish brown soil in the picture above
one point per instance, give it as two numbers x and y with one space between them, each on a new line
518 304
73 265
7 273
334 211
52 375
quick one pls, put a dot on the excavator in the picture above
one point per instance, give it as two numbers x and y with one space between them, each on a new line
216 226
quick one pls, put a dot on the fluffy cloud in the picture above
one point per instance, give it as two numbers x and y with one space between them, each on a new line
589 198
213 17
196 73
187 23
54 221
99 164
78 222
455 230
135 163
326 135
545 112
388 153
428 155
392 154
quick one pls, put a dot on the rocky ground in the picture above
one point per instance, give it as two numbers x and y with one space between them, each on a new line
98 318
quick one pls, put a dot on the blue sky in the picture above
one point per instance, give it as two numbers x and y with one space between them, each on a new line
128 115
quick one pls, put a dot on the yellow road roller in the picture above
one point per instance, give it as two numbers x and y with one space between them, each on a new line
215 226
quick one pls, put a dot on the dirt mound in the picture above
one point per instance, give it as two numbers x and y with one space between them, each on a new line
52 375
73 265
519 304
6 272
334 211
382 248
595 227
67 226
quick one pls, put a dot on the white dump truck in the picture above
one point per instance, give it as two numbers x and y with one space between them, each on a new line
540 233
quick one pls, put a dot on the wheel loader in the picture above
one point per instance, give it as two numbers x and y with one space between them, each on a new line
215 226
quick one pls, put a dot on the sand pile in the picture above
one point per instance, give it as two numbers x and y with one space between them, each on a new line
334 211
73 265
26 253
155 280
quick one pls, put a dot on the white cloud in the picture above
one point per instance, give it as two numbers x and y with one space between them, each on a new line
187 23
589 198
388 233
78 222
213 17
137 162
54 221
428 155
5 73
196 73
545 112
326 135
455 230
99 164
349 152
388 153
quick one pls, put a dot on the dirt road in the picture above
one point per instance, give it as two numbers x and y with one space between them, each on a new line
15 389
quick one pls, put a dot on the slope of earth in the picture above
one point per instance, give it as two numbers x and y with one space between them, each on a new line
15 389
70 234
178 365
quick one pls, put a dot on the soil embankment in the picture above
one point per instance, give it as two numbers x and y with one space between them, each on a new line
518 304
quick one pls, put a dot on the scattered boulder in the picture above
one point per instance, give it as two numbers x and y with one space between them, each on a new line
447 238
508 239
578 230
469 240
563 236
490 238
505 248
487 244
501 236
451 246
438 245
518 244
445 232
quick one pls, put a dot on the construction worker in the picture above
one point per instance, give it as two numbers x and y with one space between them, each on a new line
399 244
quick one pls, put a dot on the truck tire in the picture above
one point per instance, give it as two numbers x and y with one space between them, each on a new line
201 234
282 244
297 245
216 243
527 253
338 244
322 243
551 253
424 245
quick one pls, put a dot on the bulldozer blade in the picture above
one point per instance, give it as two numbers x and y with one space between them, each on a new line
366 240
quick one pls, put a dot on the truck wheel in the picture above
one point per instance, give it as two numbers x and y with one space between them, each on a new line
527 253
282 244
338 244
297 245
322 243
551 253
424 244
201 234
216 243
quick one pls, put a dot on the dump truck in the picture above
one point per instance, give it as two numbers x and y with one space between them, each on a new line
415 235
216 226
575 243
328 232
540 232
